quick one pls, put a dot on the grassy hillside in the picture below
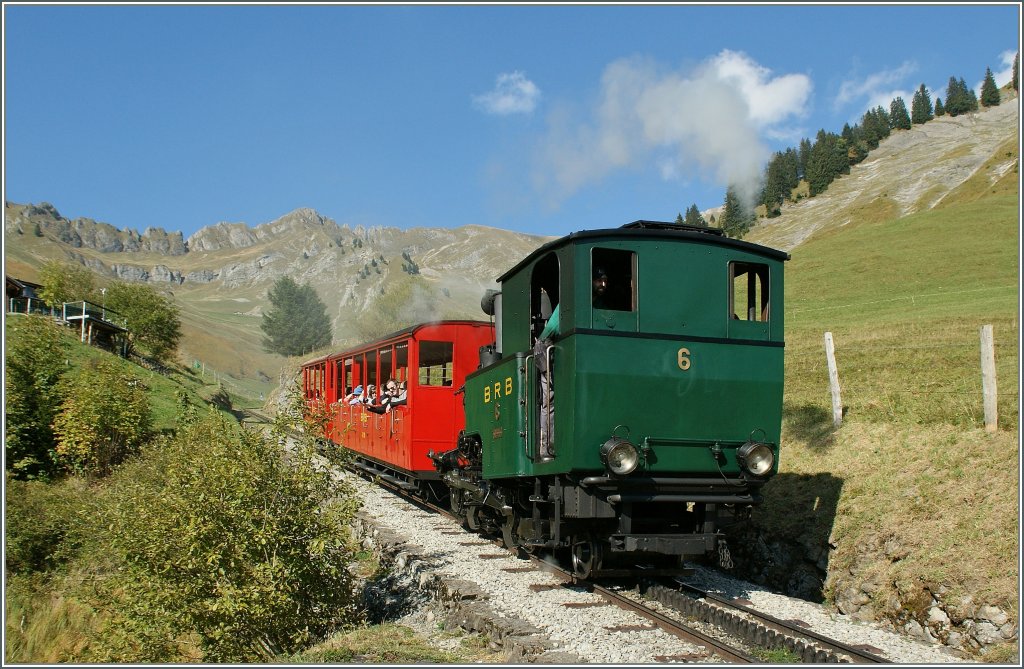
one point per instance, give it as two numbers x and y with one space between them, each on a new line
904 300
910 494
162 389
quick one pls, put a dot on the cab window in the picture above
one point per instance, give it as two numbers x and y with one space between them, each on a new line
748 294
613 279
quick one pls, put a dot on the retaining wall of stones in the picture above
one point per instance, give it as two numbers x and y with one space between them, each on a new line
801 569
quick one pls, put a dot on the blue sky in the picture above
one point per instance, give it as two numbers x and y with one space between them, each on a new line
542 119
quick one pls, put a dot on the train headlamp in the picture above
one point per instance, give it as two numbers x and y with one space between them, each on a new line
620 456
756 458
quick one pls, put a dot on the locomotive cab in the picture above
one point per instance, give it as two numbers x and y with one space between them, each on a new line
631 408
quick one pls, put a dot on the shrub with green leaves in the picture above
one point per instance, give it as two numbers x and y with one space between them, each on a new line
43 524
152 318
104 417
222 542
66 282
33 363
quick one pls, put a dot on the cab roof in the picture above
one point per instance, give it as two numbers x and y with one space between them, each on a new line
650 230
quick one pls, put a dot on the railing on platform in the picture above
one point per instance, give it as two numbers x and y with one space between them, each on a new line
86 309
28 305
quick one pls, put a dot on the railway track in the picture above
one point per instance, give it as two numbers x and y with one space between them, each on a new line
739 618
736 619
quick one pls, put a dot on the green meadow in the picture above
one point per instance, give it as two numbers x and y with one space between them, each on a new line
910 491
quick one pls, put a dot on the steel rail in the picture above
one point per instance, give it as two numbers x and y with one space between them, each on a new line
710 644
858 655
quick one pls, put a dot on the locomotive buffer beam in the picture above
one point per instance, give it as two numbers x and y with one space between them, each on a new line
632 572
664 544
700 499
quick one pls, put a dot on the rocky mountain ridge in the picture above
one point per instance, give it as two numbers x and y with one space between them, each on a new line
234 253
373 280
43 219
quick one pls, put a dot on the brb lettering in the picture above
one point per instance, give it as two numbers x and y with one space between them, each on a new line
495 390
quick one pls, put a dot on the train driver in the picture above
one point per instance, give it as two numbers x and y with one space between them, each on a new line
601 295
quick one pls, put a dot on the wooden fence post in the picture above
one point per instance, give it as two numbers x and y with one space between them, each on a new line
988 378
833 380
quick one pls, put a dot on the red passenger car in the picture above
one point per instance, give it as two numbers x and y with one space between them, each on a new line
432 360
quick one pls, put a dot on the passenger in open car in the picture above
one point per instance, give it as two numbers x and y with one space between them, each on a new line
401 398
387 397
355 397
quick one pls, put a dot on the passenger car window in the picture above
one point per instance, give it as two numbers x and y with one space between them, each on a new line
748 294
436 363
402 361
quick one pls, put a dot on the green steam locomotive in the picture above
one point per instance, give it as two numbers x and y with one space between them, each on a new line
629 409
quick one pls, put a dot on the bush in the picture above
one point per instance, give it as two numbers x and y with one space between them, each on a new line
34 362
66 282
104 417
221 545
43 525
153 319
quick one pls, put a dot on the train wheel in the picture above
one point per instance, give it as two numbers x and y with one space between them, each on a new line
459 510
509 532
587 556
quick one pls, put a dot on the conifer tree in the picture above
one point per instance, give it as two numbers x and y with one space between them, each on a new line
884 121
776 184
1016 59
954 98
829 158
899 118
736 219
694 217
782 175
959 98
856 145
972 98
989 90
805 155
939 109
297 321
921 106
872 128
679 219
791 168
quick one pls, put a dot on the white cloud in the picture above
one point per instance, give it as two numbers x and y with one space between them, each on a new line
769 100
708 122
871 90
1004 75
513 93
